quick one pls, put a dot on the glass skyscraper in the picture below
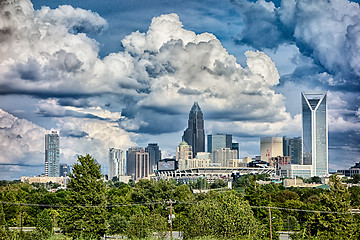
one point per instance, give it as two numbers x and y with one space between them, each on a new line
194 135
315 132
216 141
52 154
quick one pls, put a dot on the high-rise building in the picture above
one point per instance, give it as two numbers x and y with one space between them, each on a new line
222 156
64 170
236 146
52 154
117 163
271 147
154 155
216 141
184 151
138 163
295 150
194 135
315 132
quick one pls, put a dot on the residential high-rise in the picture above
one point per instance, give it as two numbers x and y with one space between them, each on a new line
194 135
216 141
154 155
138 163
315 132
52 154
117 163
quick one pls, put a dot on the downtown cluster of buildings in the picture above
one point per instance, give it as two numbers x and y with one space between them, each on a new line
304 156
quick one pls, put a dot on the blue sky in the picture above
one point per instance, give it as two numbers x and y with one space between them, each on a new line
125 73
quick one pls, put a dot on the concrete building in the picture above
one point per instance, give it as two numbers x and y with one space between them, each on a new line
116 163
60 180
295 170
184 151
193 163
203 155
154 155
315 132
216 141
138 163
222 156
52 154
271 147
194 135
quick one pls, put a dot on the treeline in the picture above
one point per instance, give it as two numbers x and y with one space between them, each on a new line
91 208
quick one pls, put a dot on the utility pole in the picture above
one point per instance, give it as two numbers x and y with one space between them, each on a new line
270 223
171 235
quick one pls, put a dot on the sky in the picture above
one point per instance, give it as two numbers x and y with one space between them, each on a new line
126 73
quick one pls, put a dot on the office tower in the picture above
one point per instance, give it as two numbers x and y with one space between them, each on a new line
222 156
216 141
117 163
52 154
138 163
154 155
64 170
315 132
236 146
184 151
194 135
295 150
286 150
271 147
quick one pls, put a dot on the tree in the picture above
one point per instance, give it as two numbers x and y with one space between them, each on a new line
87 197
44 225
3 225
117 224
222 216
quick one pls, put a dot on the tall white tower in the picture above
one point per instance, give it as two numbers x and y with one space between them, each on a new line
117 163
315 132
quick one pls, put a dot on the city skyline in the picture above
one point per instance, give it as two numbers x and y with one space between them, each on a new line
124 74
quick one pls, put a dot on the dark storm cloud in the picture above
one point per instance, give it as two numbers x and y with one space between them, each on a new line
326 31
82 102
269 31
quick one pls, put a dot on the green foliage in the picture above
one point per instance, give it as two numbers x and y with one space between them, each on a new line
314 179
144 224
218 183
223 216
354 179
117 224
44 225
87 196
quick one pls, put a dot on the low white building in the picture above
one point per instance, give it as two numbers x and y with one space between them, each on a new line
295 170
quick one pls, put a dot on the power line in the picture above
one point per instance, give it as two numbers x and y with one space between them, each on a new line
154 203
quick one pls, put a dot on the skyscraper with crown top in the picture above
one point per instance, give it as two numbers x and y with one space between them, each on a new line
194 135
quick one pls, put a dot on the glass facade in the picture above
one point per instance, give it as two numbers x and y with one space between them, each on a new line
216 141
194 135
315 132
52 154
